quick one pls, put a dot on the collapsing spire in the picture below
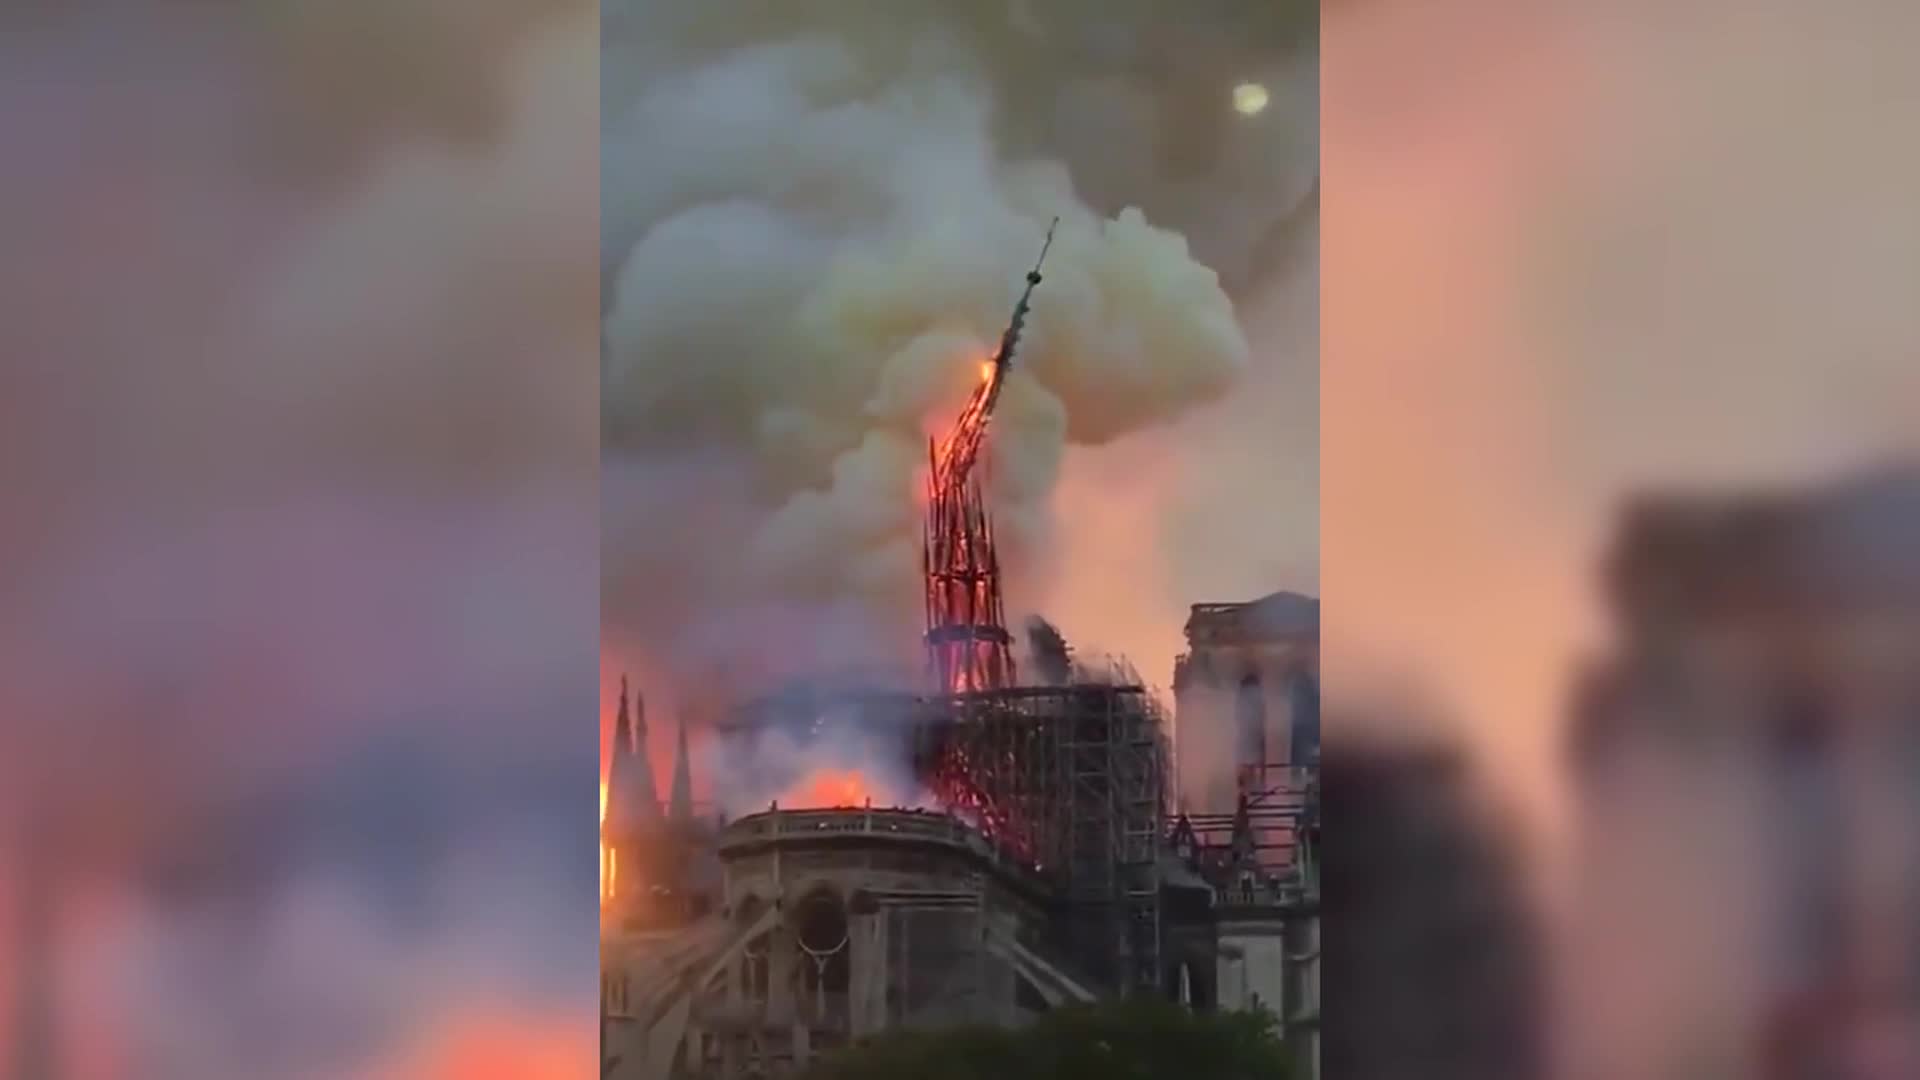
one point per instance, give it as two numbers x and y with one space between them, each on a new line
631 799
680 799
968 647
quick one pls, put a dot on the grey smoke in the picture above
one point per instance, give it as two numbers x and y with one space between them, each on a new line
815 220
1051 656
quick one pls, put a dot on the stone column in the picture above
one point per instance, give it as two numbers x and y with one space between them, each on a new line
781 971
867 994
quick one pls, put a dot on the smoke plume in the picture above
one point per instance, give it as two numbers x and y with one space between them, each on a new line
842 765
815 222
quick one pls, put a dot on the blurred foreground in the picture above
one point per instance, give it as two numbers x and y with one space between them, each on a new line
1145 1038
297 530
1618 345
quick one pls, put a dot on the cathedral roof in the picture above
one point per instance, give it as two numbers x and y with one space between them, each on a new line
1288 614
1276 616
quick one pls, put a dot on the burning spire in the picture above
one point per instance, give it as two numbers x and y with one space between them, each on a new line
631 799
968 647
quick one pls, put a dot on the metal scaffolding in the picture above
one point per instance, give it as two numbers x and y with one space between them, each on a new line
1071 781
1271 810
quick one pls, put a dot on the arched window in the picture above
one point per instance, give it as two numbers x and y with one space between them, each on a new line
1250 722
822 931
1192 985
1303 705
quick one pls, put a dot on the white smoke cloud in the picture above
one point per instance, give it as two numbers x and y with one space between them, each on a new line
813 228
841 765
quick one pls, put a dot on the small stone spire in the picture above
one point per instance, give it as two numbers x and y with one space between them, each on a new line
680 799
1184 843
639 721
1241 843
630 793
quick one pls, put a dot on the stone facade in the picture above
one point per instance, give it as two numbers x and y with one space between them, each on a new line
832 925
747 949
1246 698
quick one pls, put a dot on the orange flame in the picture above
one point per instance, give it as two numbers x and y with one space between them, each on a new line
606 857
828 788
483 1044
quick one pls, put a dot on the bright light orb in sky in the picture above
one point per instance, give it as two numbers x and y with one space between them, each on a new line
1249 99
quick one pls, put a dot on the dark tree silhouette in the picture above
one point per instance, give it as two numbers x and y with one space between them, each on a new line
1139 1040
